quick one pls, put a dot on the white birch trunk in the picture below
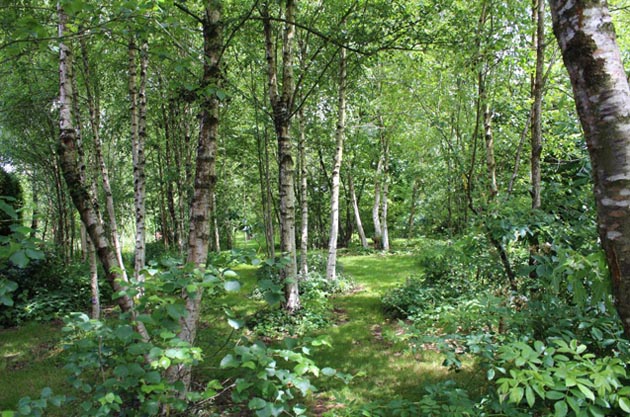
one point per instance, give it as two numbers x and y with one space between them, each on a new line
139 163
357 213
586 36
72 172
303 198
331 265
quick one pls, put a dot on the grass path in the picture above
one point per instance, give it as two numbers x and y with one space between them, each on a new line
364 340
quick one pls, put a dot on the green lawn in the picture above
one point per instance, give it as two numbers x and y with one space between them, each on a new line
29 361
363 342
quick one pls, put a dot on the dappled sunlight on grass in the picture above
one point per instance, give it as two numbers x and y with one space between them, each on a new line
29 362
364 341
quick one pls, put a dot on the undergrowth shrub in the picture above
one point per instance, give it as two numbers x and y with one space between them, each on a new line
562 377
270 380
46 289
315 290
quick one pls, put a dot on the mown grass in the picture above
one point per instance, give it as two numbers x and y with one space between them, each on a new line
363 340
365 343
29 361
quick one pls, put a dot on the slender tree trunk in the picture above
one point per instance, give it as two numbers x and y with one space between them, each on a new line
215 224
72 174
537 94
282 105
94 112
376 207
138 104
36 214
303 197
265 191
90 256
538 15
331 266
205 178
384 207
384 189
170 191
586 36
164 226
490 161
357 213
412 209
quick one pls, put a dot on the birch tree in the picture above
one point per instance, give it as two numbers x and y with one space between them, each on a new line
586 36
281 99
72 172
331 266
205 175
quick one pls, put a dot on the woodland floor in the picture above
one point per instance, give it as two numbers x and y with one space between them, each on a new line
364 343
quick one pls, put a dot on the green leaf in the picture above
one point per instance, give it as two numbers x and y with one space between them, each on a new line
8 414
232 286
229 361
596 411
560 409
624 404
555 395
228 273
529 396
19 259
328 371
516 395
175 311
8 209
490 374
586 391
256 403
235 324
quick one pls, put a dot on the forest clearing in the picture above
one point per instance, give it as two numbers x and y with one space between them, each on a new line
314 208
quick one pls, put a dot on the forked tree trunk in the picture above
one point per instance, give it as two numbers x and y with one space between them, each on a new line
205 178
282 105
586 36
331 265
72 170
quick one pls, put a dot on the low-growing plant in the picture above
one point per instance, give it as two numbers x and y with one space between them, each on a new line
561 379
276 322
271 380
